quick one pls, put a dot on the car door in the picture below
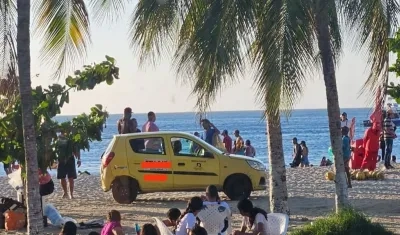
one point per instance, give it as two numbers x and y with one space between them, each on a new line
193 166
152 168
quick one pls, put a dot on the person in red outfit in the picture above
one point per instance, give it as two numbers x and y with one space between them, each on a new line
371 146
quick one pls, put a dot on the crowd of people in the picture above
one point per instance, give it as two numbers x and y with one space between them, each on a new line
191 221
127 125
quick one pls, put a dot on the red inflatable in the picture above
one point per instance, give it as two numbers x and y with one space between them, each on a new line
357 154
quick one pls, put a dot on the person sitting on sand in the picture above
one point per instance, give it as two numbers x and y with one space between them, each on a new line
198 230
304 154
212 198
173 215
323 161
69 228
187 220
254 219
394 159
149 229
249 150
113 225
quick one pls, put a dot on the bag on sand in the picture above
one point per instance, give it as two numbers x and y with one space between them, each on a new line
14 220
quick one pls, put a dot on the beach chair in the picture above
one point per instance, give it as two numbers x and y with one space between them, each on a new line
277 224
212 216
164 230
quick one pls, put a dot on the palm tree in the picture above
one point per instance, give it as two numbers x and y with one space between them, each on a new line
282 38
35 220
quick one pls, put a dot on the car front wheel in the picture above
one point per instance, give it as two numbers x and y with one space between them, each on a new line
238 187
124 190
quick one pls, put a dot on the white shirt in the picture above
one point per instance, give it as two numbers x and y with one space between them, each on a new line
260 218
345 123
227 212
187 222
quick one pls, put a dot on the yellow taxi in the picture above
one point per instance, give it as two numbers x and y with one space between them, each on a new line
175 161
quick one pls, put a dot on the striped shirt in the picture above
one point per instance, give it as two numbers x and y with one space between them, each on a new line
388 129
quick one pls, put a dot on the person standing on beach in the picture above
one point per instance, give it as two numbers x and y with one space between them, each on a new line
209 131
238 144
371 146
126 124
249 150
344 121
296 153
304 154
346 153
227 141
388 135
67 169
150 125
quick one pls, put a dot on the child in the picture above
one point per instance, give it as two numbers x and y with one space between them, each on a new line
113 226
323 161
187 221
212 198
69 228
149 229
198 230
253 219
173 215
249 150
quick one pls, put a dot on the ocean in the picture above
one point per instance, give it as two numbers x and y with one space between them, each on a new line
308 125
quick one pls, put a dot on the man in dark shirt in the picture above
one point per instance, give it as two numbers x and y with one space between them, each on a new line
126 124
296 153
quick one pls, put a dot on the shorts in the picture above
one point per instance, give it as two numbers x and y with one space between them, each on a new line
46 189
304 160
67 169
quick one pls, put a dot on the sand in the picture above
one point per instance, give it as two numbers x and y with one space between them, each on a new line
310 196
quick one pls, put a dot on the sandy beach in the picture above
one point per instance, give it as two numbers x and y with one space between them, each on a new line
310 196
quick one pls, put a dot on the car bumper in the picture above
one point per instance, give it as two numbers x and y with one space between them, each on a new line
259 181
105 178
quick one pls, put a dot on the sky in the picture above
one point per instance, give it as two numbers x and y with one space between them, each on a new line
156 87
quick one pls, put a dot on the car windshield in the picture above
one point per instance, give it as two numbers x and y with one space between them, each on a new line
209 146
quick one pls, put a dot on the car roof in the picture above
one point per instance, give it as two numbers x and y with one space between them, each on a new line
157 133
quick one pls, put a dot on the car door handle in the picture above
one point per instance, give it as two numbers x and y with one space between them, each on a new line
181 164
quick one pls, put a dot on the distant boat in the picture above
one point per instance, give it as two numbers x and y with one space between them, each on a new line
390 104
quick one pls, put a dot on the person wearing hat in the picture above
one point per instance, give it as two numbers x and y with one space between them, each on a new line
227 141
126 124
344 121
388 135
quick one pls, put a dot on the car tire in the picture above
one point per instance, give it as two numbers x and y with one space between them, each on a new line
238 187
124 190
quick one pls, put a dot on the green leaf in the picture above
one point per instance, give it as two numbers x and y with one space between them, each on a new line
111 59
44 104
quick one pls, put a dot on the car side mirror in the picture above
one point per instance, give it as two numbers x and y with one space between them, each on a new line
208 154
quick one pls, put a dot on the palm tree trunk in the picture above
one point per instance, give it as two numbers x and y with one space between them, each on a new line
35 219
328 67
278 194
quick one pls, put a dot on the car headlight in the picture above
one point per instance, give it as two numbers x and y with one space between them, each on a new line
256 165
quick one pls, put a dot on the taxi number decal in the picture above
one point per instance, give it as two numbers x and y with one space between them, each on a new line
155 177
156 164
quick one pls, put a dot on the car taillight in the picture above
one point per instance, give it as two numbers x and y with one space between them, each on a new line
108 159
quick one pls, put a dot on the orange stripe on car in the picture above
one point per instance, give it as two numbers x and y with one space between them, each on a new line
155 178
156 165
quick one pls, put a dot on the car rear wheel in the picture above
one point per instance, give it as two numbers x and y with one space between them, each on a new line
124 190
238 187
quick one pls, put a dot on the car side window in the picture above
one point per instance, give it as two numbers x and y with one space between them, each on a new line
186 147
153 145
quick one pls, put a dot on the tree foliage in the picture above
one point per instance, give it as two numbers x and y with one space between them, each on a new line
78 132
394 45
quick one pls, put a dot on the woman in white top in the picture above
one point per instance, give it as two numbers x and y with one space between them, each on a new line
188 219
254 219
212 198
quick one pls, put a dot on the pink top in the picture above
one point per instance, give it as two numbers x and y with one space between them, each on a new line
150 126
44 178
108 227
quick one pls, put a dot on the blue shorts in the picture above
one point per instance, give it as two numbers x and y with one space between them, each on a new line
304 160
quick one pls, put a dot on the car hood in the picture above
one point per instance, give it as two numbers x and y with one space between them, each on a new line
241 157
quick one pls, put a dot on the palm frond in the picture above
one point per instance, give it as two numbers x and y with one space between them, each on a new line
63 26
283 53
8 26
373 21
107 9
153 29
212 46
